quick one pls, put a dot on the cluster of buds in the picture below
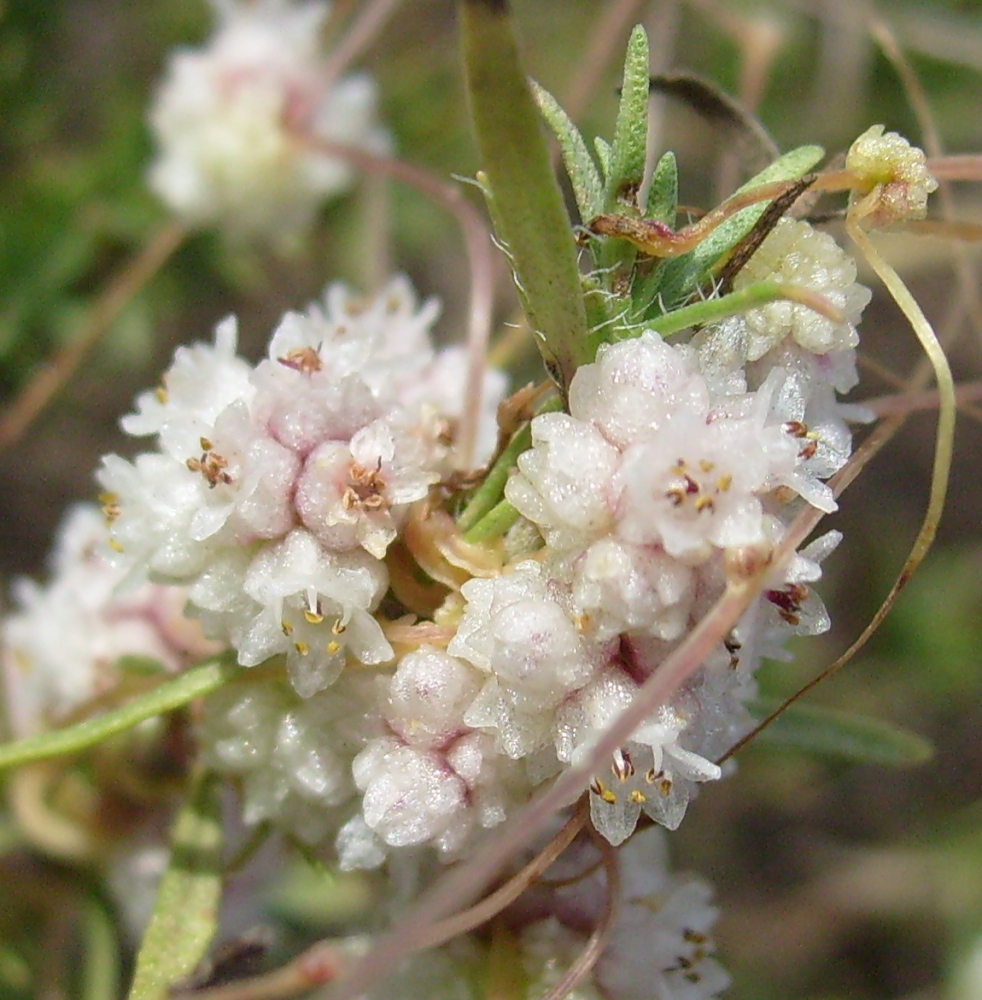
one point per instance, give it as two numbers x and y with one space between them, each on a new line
403 687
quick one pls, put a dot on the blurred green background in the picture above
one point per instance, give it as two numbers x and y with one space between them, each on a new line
836 882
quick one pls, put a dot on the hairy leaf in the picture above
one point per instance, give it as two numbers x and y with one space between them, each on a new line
528 204
588 187
629 149
185 915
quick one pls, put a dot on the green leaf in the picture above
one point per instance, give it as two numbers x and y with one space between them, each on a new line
834 733
789 167
487 495
165 697
185 915
603 154
322 899
100 971
588 187
528 204
663 195
630 145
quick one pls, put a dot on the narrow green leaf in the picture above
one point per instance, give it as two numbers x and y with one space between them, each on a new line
493 488
603 154
663 194
856 738
630 146
100 970
528 204
185 915
165 697
588 187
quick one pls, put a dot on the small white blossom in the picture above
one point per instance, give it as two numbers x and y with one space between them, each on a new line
795 253
63 643
292 755
275 492
230 121
660 944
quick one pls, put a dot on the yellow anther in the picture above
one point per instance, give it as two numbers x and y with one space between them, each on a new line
724 482
332 647
312 617
301 647
287 627
704 503
638 796
706 465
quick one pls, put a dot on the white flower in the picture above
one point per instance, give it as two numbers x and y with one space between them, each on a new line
795 253
660 947
230 120
274 493
63 644
516 631
696 486
292 755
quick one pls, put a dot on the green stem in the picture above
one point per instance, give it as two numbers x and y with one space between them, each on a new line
494 524
759 294
185 915
491 490
493 487
172 694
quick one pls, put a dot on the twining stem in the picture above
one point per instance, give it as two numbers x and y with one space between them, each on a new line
590 953
49 380
481 266
966 393
758 294
323 961
492 904
368 22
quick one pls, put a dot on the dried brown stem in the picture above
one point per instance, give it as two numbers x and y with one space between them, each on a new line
505 895
48 381
597 942
321 963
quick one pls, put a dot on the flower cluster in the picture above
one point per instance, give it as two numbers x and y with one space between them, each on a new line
62 647
276 490
231 121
